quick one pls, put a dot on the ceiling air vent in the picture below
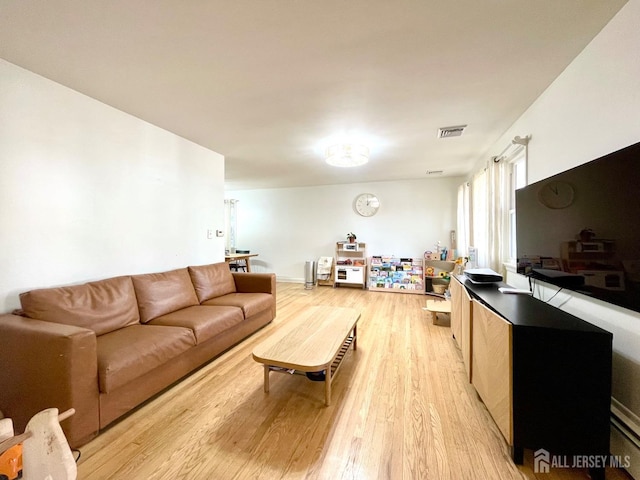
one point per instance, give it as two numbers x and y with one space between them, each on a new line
446 132
435 172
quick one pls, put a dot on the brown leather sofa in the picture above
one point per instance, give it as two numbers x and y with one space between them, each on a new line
104 347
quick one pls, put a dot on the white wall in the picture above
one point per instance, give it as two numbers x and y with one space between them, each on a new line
88 192
593 108
288 226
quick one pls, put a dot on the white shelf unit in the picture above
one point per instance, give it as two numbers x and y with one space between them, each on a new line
396 274
351 264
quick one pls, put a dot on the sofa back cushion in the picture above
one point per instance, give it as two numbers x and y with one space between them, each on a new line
162 293
212 280
101 306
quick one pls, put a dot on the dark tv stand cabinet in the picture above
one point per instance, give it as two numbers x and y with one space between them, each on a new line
544 375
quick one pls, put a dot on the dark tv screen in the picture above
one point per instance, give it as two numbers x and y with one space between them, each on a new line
580 229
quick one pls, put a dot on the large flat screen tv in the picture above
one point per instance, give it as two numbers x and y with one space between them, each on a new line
580 229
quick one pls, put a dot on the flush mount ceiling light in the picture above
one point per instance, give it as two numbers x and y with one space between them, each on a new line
347 155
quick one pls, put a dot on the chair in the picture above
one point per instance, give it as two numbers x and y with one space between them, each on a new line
237 265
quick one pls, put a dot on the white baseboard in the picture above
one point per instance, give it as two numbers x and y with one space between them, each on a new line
285 279
626 449
625 437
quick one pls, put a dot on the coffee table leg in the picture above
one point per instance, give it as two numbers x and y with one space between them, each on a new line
355 336
327 386
266 378
327 383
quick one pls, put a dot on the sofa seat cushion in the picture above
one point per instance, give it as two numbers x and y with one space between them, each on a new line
131 352
206 321
102 306
162 293
250 303
212 280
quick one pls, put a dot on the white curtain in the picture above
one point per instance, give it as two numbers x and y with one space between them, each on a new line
497 213
489 215
480 217
463 233
485 222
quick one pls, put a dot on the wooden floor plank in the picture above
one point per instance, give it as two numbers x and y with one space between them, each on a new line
402 409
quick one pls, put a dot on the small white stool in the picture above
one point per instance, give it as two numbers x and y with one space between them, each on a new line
438 306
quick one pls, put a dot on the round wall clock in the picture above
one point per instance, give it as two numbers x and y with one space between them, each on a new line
366 204
556 194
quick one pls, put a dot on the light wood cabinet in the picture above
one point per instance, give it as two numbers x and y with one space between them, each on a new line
491 365
466 332
543 374
455 289
462 322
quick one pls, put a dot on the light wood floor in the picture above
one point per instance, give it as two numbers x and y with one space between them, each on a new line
401 409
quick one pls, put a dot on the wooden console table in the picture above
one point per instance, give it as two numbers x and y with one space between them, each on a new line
543 374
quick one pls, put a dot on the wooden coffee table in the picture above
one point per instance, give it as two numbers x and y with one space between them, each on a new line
316 341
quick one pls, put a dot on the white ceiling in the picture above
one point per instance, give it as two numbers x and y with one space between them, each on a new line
264 81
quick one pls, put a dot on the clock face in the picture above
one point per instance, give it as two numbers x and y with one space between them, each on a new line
366 204
556 194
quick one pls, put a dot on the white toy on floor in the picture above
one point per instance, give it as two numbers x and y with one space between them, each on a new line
45 452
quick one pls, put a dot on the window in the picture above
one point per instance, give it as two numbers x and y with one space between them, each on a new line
230 224
486 207
518 179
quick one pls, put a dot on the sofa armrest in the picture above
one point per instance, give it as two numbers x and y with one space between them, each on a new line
44 365
255 282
